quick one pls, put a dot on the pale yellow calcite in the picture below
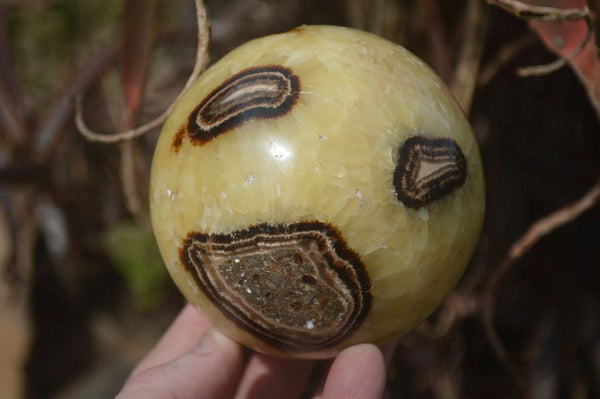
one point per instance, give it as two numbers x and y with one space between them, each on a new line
332 159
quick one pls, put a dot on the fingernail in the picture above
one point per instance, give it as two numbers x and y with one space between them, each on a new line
207 343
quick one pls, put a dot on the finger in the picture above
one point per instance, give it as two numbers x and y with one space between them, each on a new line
212 369
181 337
357 373
272 377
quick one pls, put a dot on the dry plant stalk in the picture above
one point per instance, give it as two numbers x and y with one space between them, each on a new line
520 247
459 306
556 219
503 57
201 61
464 80
550 14
524 10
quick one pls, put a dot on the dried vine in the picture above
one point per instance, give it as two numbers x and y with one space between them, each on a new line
202 58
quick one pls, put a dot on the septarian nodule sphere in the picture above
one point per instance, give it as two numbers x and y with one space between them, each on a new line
316 189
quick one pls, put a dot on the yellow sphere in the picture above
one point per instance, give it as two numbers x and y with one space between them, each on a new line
316 189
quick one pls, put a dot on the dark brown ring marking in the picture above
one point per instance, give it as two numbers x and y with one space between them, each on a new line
428 169
256 93
297 287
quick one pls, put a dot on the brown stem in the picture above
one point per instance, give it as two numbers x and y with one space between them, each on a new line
201 61
527 11
551 14
10 97
465 74
520 247
503 57
48 134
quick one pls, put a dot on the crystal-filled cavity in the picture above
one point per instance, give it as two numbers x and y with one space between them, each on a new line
428 169
297 286
255 93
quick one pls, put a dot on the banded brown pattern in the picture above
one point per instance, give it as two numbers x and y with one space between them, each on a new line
428 169
297 287
256 93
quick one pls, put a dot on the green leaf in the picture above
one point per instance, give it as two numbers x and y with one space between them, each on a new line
136 258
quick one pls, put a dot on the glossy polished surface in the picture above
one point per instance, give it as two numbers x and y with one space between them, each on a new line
336 152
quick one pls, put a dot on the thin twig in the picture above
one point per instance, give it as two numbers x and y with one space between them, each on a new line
456 307
137 41
11 101
465 74
378 17
503 57
10 123
128 179
550 14
438 37
539 70
527 11
49 131
521 246
201 61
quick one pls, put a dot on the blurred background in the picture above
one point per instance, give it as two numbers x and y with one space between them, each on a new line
83 292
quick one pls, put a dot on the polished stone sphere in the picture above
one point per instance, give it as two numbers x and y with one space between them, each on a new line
316 189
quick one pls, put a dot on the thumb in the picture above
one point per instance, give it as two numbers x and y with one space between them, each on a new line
212 369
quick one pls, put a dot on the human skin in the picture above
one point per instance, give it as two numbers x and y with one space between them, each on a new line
193 360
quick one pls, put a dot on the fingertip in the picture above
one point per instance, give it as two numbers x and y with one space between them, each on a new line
212 340
274 377
357 372
211 369
189 314
183 334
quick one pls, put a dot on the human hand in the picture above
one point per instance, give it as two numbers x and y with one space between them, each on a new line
192 360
